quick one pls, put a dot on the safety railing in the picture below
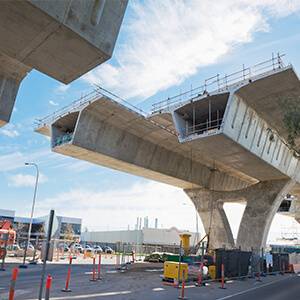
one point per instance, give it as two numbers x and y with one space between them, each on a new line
204 127
76 105
218 83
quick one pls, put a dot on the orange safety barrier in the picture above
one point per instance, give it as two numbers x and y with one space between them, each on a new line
99 267
94 270
181 295
14 276
48 287
66 289
222 277
200 275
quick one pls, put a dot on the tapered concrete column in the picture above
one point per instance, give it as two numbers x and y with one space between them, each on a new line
263 201
215 222
11 74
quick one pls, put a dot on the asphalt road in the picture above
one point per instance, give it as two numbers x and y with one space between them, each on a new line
143 283
287 288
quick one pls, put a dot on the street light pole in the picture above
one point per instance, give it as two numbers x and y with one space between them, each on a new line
32 211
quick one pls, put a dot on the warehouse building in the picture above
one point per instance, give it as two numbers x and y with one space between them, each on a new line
151 239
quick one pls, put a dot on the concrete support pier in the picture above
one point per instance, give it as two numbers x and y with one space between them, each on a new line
262 202
11 74
213 217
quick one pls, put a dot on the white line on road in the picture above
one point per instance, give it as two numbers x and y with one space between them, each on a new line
88 296
158 289
251 289
189 286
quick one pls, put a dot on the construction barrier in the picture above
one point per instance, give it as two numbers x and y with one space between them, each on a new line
222 277
99 267
14 276
66 289
181 293
94 270
48 287
200 275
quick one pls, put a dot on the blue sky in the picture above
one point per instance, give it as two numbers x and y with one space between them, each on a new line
163 47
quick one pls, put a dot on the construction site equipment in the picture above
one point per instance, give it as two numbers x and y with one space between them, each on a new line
236 262
280 261
199 248
172 271
212 271
185 239
7 233
7 237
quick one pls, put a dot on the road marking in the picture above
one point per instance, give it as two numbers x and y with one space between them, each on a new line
189 286
251 289
158 289
88 296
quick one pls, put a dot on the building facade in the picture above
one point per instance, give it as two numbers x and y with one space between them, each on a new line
65 227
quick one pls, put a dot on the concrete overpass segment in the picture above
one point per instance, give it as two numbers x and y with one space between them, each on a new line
218 146
63 39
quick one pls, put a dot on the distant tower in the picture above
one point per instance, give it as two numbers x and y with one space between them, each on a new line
137 223
156 223
140 227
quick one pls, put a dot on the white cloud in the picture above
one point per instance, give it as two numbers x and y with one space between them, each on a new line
53 103
62 88
24 180
9 131
168 41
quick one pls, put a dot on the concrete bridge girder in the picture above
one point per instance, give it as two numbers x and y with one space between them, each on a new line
128 144
251 144
262 202
63 39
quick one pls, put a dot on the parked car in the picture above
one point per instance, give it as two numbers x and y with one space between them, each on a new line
64 246
88 248
108 250
98 249
16 251
77 247
23 246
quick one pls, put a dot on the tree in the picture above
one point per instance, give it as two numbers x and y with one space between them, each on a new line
291 120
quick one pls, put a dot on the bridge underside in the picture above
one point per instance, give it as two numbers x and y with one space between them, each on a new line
218 148
63 39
